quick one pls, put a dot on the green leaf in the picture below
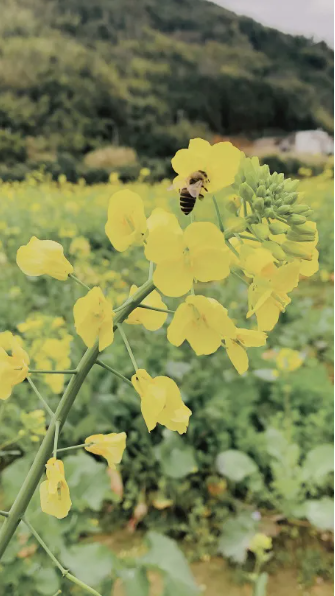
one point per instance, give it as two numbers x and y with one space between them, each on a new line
176 458
91 563
47 581
134 581
266 374
236 536
319 462
88 481
320 512
235 465
165 555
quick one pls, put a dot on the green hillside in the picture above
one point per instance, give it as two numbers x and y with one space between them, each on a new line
77 75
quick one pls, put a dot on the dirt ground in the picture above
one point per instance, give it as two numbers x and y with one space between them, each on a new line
214 577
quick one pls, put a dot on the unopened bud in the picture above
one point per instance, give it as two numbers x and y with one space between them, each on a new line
295 249
270 213
300 208
261 191
235 225
284 210
307 228
246 192
275 249
260 230
267 202
296 237
278 227
296 219
291 198
258 204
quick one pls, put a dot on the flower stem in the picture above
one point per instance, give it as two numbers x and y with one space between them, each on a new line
56 436
37 469
79 282
151 270
53 372
33 386
218 214
230 246
4 513
62 569
115 372
154 308
73 447
129 350
239 277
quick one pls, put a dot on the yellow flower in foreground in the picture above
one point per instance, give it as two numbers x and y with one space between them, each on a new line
93 319
267 294
54 492
109 446
126 224
43 257
198 253
203 322
150 319
289 360
245 338
219 162
161 402
14 368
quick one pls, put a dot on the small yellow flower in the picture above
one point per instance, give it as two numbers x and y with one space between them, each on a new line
289 360
198 253
267 294
43 257
114 178
260 543
34 422
54 492
80 247
150 319
161 402
245 338
14 368
203 322
93 318
126 224
110 446
219 162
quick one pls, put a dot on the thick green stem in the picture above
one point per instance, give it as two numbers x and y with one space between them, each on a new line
37 469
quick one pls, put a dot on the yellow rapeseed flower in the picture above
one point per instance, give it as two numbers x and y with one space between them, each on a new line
260 543
161 402
203 322
219 162
110 446
245 338
126 224
267 294
289 360
54 492
150 319
43 257
93 318
14 368
198 253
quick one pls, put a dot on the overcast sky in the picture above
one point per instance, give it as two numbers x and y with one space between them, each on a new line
312 18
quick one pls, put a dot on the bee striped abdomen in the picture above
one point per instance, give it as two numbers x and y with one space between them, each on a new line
187 202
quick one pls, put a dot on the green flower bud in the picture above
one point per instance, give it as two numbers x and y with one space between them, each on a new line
296 237
278 227
300 208
270 213
275 249
246 192
284 210
267 202
260 230
304 231
293 249
291 198
258 204
296 219
261 191
236 225
291 185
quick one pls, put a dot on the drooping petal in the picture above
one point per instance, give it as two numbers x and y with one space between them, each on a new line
238 356
176 330
110 446
267 315
287 277
43 257
251 338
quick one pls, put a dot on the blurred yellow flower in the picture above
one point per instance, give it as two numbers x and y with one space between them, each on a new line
161 402
43 257
289 360
54 492
80 247
267 294
150 319
245 338
110 446
198 253
14 368
219 162
126 224
114 178
260 543
203 322
93 318
34 422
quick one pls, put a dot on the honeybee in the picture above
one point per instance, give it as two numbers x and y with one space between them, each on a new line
194 185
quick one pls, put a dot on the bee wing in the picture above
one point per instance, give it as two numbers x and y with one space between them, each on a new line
195 189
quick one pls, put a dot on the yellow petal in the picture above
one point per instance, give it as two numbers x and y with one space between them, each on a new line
222 166
175 415
150 319
210 264
267 315
251 338
57 504
185 162
238 356
203 339
176 330
308 268
287 277
173 278
164 243
110 446
153 397
93 317
126 224
43 257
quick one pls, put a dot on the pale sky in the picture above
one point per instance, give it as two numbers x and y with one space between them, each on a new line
312 18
